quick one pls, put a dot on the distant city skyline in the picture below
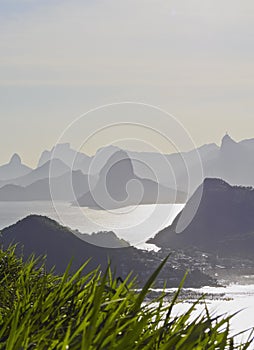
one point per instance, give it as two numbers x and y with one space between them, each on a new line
194 59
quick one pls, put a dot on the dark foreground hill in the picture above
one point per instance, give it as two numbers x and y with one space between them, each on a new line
41 235
223 223
105 239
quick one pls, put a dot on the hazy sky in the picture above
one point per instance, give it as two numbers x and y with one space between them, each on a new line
58 59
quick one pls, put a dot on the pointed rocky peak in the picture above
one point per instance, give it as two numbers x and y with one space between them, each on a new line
102 157
227 141
15 159
119 154
118 165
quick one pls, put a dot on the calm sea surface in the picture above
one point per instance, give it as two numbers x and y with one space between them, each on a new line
240 301
135 224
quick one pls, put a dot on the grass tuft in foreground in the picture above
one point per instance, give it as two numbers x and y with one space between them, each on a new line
41 311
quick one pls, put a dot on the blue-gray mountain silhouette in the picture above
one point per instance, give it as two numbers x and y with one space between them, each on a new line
51 169
174 170
13 169
233 162
223 223
140 177
66 187
119 186
74 159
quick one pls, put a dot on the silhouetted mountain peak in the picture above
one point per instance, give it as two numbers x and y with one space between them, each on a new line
215 184
105 158
119 163
119 154
15 159
63 151
219 219
40 223
35 220
227 141
13 169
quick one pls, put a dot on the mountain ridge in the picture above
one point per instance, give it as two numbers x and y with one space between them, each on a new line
119 186
15 167
149 172
223 222
42 236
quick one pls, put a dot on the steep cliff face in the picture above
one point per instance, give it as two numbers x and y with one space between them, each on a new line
118 186
223 222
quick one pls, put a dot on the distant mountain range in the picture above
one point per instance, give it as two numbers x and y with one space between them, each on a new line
114 177
232 162
51 169
42 236
73 159
66 187
222 225
110 183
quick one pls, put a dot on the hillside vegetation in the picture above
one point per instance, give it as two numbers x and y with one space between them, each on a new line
39 310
